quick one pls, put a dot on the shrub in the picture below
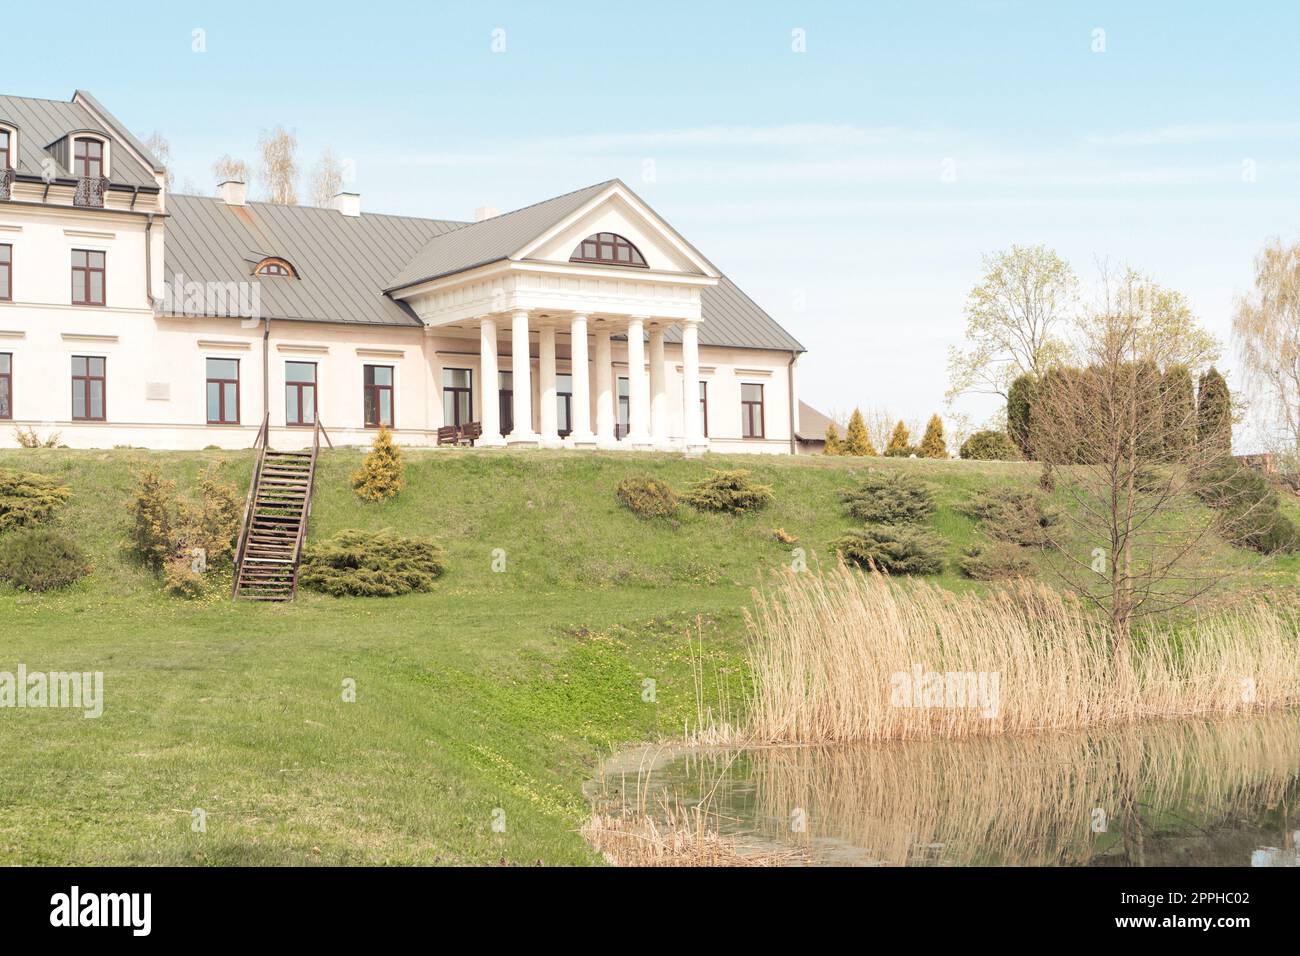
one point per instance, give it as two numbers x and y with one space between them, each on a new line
889 498
41 559
383 473
996 562
933 444
1011 515
28 499
1178 399
892 550
900 443
151 517
729 491
371 564
647 497
1250 513
989 445
856 440
211 524
28 438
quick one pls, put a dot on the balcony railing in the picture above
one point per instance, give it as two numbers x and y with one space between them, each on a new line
6 183
90 192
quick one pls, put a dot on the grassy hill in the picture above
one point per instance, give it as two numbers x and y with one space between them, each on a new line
487 701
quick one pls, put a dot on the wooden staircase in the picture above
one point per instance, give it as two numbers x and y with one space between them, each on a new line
275 520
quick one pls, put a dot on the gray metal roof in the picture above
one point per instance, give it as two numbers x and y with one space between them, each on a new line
343 262
490 240
43 122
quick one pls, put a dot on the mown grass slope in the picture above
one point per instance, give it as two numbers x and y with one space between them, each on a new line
481 707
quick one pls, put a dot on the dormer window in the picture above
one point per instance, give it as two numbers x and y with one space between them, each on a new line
609 248
88 158
6 149
276 267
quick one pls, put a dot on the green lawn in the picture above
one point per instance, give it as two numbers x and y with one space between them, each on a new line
496 692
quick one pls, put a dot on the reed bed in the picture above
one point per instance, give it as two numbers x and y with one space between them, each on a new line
675 838
831 653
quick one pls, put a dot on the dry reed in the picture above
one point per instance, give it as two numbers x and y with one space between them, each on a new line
830 650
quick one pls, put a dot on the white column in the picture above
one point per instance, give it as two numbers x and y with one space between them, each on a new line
638 426
432 388
548 414
604 387
490 413
580 427
658 388
691 384
522 378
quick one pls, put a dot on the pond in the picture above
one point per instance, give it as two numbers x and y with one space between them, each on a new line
1176 793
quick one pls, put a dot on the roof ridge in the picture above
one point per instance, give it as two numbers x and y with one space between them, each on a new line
386 215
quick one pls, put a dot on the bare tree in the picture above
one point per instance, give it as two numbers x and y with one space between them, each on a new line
1267 330
326 179
279 168
157 144
228 169
1012 318
1100 421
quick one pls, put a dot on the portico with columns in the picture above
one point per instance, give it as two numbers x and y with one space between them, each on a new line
594 297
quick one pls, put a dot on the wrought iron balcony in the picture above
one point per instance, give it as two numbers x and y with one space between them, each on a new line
6 183
90 191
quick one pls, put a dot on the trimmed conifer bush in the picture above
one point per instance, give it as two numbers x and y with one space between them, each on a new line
989 445
383 472
1020 400
900 443
28 499
998 561
1214 411
933 444
371 564
647 497
834 444
1015 516
889 498
728 491
42 559
899 550
856 440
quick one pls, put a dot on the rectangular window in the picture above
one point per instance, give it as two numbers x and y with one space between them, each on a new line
506 401
87 388
223 391
300 393
564 404
704 408
88 158
88 268
457 396
4 150
751 410
6 385
378 395
6 273
624 409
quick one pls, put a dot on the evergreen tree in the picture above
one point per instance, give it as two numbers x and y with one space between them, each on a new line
857 441
1214 411
900 442
1179 405
933 444
834 444
382 473
1020 400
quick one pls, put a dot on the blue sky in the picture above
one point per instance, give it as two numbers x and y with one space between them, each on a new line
815 179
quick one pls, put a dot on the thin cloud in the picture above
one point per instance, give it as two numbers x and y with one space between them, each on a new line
1193 135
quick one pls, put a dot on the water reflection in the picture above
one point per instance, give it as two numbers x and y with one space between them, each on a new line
1192 793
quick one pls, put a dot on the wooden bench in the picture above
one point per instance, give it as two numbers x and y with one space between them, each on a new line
465 434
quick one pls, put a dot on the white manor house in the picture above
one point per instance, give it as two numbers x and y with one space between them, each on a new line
131 316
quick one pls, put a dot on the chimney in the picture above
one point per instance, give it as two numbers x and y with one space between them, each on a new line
486 212
233 193
349 204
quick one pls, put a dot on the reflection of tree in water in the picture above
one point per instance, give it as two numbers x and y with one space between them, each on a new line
1190 793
